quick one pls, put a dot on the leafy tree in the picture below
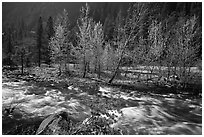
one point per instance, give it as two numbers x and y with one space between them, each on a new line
109 58
39 39
58 47
97 40
64 21
84 50
60 44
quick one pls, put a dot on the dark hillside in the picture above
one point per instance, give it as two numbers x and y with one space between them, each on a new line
30 11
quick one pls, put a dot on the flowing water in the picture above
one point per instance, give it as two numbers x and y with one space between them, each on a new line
141 114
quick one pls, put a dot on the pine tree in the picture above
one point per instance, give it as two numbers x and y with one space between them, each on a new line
39 39
21 29
50 34
50 28
10 46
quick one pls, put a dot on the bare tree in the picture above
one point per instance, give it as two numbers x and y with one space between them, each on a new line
186 48
127 32
157 43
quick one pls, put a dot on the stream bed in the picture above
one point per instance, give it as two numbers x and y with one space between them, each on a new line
141 113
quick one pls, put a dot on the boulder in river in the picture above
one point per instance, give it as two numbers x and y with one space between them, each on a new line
56 124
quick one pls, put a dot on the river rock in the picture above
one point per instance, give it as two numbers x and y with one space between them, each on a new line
56 124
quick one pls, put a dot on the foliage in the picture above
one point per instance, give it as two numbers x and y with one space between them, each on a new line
185 46
59 44
109 58
185 33
84 50
49 28
97 42
58 47
156 41
50 34
126 34
96 125
39 39
109 27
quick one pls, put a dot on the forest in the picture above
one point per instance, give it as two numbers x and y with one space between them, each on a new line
105 69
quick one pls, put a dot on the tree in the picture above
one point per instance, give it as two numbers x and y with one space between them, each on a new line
59 44
22 29
125 34
50 28
10 46
97 40
50 34
9 40
185 46
58 47
64 21
22 52
109 58
84 50
109 27
157 43
39 39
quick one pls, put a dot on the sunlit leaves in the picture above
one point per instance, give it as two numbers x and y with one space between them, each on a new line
156 40
59 44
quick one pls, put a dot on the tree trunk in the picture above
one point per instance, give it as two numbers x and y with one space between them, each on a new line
116 71
39 56
121 56
175 73
22 62
88 67
126 71
168 71
99 71
95 67
84 74
151 71
66 66
147 76
60 71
